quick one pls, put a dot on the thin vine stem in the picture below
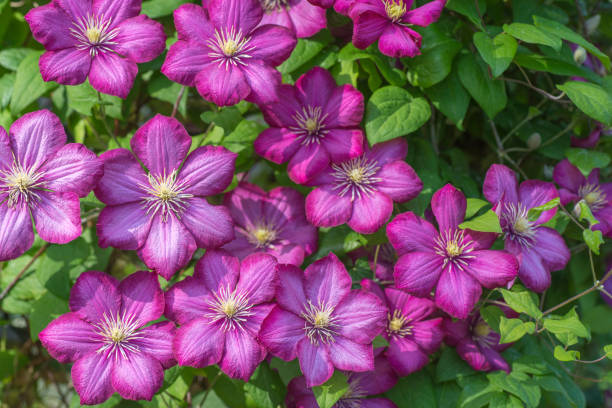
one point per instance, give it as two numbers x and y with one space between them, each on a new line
110 131
178 100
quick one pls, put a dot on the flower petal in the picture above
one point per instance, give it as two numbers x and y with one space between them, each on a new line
389 151
344 144
344 107
184 61
208 170
399 181
290 293
57 216
69 338
68 66
370 212
16 234
273 44
281 332
259 314
50 26
327 281
493 269
407 233
471 353
316 87
379 380
156 341
324 208
142 297
533 193
242 355
263 80
368 27
95 294
315 362
199 343
418 272
258 278
309 160
73 168
124 226
448 205
307 18
113 75
6 154
533 272
411 307
398 41
224 85
140 39
276 144
500 185
91 377
245 204
122 180
217 268
210 225
74 8
405 356
137 376
240 14
117 10
361 317
568 176
424 15
428 334
457 292
192 23
186 300
349 355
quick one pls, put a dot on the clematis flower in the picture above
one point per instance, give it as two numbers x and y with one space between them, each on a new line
388 21
411 331
315 123
361 386
102 40
41 180
299 16
321 321
272 222
590 141
539 250
360 192
104 335
456 262
576 187
163 212
220 310
476 342
225 55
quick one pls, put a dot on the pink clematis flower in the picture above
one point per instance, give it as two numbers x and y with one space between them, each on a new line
321 321
299 16
99 39
411 331
317 122
576 187
476 342
220 310
538 249
104 335
272 222
361 386
456 262
41 179
360 192
163 212
225 54
388 21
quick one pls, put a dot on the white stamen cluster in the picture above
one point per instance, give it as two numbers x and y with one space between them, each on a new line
262 236
94 34
356 176
593 196
516 225
320 323
454 247
310 124
274 5
398 324
230 307
165 196
230 47
20 184
117 333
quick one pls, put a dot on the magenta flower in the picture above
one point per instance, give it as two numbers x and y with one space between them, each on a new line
590 141
163 212
576 187
99 39
104 335
273 222
454 261
299 16
388 21
411 331
220 310
476 342
225 55
315 123
360 192
321 321
538 249
361 386
41 180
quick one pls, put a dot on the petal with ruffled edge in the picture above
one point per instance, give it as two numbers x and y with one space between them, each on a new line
532 271
16 234
199 343
156 341
360 317
407 233
568 176
57 216
187 300
316 87
210 225
276 144
217 269
69 338
112 75
35 137
142 297
95 294
344 107
370 212
343 144
192 23
368 27
208 170
50 26
273 44
500 184
493 269
405 356
161 144
428 334
117 10
398 41
281 332
349 355
324 208
184 62
315 362
448 205
264 81
457 292
242 15
137 376
73 168
399 181
418 272
91 376
326 281
424 15
242 354
533 193
551 247
140 39
123 178
124 226
258 278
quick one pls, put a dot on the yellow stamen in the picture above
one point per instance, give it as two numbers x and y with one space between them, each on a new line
482 329
395 9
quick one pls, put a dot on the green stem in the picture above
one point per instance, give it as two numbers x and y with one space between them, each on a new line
106 126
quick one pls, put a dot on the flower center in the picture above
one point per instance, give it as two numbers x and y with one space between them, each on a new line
232 308
482 329
320 323
93 33
165 195
352 397
594 197
356 176
310 124
230 47
20 184
516 225
274 5
395 9
398 324
118 334
454 247
262 236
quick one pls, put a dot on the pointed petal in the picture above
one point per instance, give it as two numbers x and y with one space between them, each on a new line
344 144
532 271
199 343
316 87
412 307
457 292
471 353
94 294
379 380
192 23
448 205
500 184
361 317
276 144
307 18
117 10
259 314
68 66
428 334
123 226
210 225
74 8
281 332
112 75
57 216
348 355
208 170
16 234
407 233
140 39
344 107
399 181
73 168
426 14
242 355
309 160
258 278
370 212
50 26
217 268
122 180
324 208
290 293
398 41
156 341
327 281
69 338
315 362
240 14
91 377
184 61
224 85
405 356
493 269
264 81
568 176
418 272
389 151
137 376
368 27
187 300
142 297
533 193
273 44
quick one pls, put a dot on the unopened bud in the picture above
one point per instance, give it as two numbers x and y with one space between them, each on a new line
592 23
580 55
577 211
534 141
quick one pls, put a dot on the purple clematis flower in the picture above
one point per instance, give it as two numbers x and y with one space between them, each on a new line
476 342
538 249
99 39
590 141
317 122
361 191
41 179
361 386
576 187
456 262
272 222
163 212
388 21
104 335
411 331
225 54
321 321
220 310
299 16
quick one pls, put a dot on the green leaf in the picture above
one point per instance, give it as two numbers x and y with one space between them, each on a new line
608 351
593 239
391 74
492 315
597 318
487 222
473 206
29 85
330 392
160 8
591 99
497 52
380 341
513 329
422 394
566 328
535 212
6 89
565 355
526 391
27 289
10 58
527 59
265 388
83 98
586 213
451 98
468 8
522 301
489 93
44 310
451 367
586 160
305 50
392 112
533 35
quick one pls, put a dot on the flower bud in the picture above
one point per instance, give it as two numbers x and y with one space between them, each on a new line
534 141
580 55
592 23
